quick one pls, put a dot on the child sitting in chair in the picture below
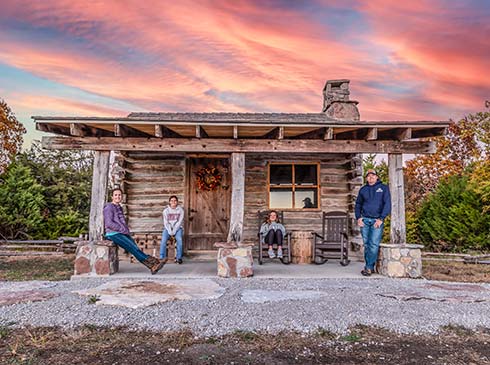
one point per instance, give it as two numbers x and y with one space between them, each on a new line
272 232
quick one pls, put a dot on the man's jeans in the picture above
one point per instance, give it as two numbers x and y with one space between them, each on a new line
163 244
126 242
372 238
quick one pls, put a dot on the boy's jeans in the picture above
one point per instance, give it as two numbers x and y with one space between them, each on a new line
372 238
163 244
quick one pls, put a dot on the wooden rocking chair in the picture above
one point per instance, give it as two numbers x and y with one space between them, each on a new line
286 245
334 241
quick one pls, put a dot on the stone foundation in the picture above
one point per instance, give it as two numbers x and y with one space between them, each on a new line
96 258
234 261
400 261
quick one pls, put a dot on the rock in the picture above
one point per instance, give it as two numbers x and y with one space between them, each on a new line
233 263
96 258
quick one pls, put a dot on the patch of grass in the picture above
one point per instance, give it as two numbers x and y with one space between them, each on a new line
93 299
4 332
324 333
352 337
22 268
246 335
457 330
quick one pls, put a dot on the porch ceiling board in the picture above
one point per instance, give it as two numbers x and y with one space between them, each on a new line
214 145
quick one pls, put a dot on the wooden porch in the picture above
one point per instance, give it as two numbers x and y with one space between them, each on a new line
158 154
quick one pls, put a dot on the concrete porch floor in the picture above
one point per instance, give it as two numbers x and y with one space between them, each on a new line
270 269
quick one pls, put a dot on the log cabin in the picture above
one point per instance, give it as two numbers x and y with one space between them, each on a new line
226 167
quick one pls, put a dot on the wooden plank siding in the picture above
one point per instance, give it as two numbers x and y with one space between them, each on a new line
150 179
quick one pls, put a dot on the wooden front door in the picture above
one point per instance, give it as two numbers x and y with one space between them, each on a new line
209 210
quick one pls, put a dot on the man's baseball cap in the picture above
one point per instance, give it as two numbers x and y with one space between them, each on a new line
371 171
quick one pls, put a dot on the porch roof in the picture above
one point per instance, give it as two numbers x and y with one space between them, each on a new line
238 126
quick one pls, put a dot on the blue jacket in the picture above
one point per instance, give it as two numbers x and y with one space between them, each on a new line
373 201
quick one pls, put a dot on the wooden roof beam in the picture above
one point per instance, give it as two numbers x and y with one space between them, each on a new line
276 133
200 132
220 145
354 134
395 134
84 130
328 133
431 132
403 134
235 131
372 134
122 130
52 128
319 133
163 132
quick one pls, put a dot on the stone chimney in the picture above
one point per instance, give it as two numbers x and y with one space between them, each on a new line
336 103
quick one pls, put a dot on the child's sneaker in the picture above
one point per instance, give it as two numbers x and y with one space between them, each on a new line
271 253
279 253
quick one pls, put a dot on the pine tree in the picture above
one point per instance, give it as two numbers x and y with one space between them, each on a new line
21 204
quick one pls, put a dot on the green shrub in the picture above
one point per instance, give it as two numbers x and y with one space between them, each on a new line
452 219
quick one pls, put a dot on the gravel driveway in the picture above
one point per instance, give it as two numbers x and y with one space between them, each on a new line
404 306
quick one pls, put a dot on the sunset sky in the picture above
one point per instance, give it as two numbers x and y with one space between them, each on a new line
407 60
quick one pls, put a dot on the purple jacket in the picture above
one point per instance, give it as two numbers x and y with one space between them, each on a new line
114 220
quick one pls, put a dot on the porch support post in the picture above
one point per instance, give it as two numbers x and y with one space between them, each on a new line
98 198
235 233
398 234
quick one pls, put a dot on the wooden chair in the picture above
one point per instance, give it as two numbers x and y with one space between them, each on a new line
286 244
334 241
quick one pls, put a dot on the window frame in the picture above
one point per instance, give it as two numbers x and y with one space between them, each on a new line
293 185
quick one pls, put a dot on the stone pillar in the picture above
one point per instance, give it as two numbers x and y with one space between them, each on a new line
96 258
233 261
398 233
98 198
400 261
235 233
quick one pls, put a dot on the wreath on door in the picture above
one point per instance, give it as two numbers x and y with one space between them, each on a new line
208 178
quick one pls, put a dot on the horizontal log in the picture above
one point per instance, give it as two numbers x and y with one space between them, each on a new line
30 253
239 145
40 247
32 242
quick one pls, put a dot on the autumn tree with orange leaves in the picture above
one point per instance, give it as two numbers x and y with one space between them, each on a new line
466 143
11 131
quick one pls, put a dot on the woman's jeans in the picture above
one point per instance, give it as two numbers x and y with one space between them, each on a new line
372 238
273 237
163 244
126 242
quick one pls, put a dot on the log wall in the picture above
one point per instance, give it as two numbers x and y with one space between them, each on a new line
149 180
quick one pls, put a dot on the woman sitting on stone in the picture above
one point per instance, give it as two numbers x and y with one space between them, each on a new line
117 231
272 232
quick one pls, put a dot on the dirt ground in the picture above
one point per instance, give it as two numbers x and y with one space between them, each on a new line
456 271
90 345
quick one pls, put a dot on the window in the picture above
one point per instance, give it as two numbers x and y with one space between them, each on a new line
293 185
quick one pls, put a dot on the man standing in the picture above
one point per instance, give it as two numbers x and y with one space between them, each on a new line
373 205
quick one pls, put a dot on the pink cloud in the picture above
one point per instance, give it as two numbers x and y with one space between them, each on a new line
242 56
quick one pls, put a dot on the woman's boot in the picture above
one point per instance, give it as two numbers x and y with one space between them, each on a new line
154 264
